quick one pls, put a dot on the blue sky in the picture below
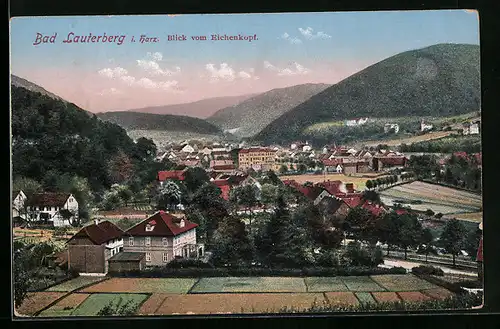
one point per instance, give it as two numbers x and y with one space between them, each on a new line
345 38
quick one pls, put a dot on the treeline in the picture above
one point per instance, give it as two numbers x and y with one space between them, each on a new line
450 144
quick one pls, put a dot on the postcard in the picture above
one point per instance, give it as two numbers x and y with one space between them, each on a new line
246 164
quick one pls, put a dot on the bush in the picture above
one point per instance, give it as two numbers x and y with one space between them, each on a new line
127 308
438 215
429 212
427 270
258 271
188 263
356 255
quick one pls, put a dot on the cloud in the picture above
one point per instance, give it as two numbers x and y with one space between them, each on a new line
113 73
224 72
154 69
292 40
129 80
296 70
159 85
308 34
157 56
110 91
244 75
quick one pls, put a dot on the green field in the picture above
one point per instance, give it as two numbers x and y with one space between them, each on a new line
143 285
403 282
365 297
249 284
322 284
95 302
75 283
361 283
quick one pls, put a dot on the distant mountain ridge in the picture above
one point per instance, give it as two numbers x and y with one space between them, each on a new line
200 109
148 121
252 115
440 80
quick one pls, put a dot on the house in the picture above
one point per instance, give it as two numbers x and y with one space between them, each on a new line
225 187
221 162
170 175
92 246
334 207
163 237
334 165
471 128
424 126
258 158
356 122
386 163
296 145
388 127
187 149
306 148
58 209
224 168
190 163
127 261
18 202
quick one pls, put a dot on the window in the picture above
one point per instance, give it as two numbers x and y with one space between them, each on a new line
148 241
148 257
164 242
131 241
165 257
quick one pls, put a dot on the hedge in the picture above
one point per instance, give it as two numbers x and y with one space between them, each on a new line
427 270
463 301
257 271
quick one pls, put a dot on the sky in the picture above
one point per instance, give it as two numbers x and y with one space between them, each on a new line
276 51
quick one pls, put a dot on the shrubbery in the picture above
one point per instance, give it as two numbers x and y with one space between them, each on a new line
258 271
427 270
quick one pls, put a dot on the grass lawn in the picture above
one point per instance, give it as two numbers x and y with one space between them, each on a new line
365 297
149 285
324 284
361 283
249 284
75 283
402 282
95 302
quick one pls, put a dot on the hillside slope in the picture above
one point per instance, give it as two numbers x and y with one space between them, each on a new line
199 109
440 80
20 82
147 121
251 116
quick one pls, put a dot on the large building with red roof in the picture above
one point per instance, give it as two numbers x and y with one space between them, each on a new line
170 175
163 237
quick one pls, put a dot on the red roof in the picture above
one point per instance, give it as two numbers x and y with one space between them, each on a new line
47 199
311 192
375 209
333 187
166 225
221 182
171 174
401 211
479 256
224 167
333 162
100 233
352 201
225 191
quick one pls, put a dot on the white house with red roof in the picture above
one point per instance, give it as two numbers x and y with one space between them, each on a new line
49 207
163 237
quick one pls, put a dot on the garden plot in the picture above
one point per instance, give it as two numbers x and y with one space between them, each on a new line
386 297
144 285
413 296
402 282
95 302
36 301
437 293
237 303
325 284
249 284
365 298
151 305
76 283
66 306
341 298
361 283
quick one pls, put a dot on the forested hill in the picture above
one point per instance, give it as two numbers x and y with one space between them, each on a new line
166 122
51 137
20 82
440 80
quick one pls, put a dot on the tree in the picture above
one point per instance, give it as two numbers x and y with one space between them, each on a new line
145 149
301 168
283 169
471 243
387 229
119 309
120 168
195 178
369 184
67 215
357 219
268 194
169 195
125 194
452 237
27 185
231 243
427 240
410 232
111 200
372 196
281 243
246 196
21 277
429 212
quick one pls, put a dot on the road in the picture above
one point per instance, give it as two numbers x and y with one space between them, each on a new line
409 265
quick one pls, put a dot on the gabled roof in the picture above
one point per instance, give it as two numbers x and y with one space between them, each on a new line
48 199
224 167
257 149
171 174
164 224
333 187
394 161
331 204
100 233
